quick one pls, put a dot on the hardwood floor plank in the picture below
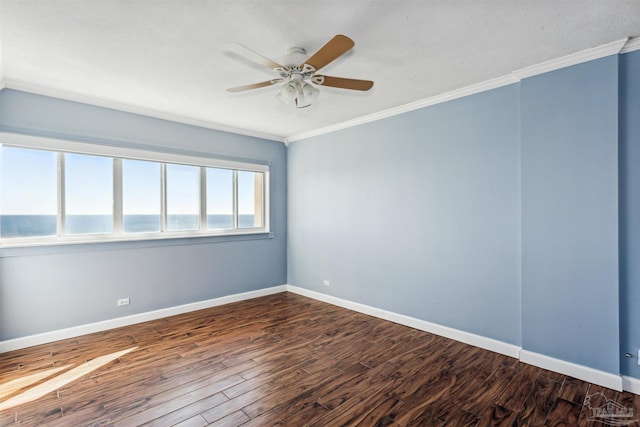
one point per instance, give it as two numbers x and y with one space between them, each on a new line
516 393
234 419
156 408
167 418
470 377
197 421
564 414
288 360
573 390
294 396
497 415
489 391
464 419
539 402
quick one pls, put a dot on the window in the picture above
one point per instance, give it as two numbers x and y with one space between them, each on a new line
28 202
88 189
249 199
60 191
141 196
183 197
219 199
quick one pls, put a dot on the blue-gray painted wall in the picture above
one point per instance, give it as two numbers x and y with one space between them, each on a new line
418 214
570 214
495 214
55 287
630 212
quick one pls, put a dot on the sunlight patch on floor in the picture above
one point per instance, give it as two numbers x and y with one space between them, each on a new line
54 383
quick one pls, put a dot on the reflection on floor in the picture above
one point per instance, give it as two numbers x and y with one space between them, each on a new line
53 384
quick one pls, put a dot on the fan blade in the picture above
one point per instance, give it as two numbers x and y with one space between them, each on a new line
343 83
330 51
254 86
249 54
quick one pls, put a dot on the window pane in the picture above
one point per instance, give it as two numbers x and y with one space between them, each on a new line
140 196
183 197
88 194
219 199
28 189
250 199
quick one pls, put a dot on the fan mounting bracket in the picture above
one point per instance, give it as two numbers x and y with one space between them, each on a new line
299 72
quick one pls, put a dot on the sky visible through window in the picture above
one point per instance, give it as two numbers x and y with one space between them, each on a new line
141 187
28 182
28 186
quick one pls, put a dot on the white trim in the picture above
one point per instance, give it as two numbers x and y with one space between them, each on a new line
1 56
47 337
584 373
416 105
422 325
42 143
70 96
515 76
630 384
620 46
117 234
631 46
581 372
612 48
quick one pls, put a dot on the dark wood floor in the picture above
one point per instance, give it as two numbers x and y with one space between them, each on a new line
290 361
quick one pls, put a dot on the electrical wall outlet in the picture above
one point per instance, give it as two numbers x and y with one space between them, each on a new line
327 283
123 301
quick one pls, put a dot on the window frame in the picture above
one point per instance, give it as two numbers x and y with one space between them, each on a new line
117 153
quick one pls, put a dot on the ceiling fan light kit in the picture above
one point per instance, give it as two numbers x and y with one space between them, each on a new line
299 80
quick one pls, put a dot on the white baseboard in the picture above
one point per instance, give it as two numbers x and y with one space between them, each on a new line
422 325
581 372
630 384
47 337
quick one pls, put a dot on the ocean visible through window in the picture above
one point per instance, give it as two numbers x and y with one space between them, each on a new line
46 225
49 195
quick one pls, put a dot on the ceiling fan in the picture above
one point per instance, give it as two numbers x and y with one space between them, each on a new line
299 78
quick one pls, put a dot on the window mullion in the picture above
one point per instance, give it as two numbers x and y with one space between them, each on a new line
61 214
117 196
203 198
235 199
163 197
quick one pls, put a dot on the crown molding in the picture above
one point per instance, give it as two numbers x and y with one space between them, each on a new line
612 48
69 96
416 105
617 47
632 45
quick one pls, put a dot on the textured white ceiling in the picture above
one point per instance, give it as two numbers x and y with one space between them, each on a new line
169 57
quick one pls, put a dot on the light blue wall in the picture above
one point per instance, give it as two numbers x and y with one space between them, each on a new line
570 214
51 288
418 214
495 214
630 211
